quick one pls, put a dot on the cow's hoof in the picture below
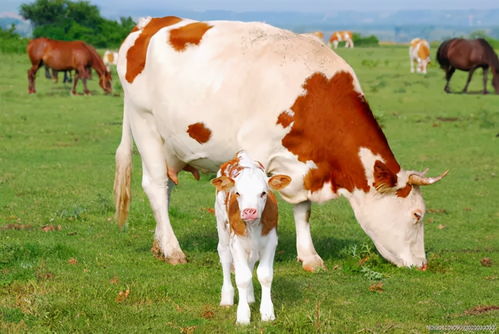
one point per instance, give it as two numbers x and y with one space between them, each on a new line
313 263
175 258
178 258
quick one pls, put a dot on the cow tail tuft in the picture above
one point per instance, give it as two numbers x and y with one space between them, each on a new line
123 175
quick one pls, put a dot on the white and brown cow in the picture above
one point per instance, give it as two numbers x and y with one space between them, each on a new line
246 211
419 54
341 36
198 92
110 58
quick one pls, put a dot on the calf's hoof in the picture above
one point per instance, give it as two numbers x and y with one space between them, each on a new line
313 263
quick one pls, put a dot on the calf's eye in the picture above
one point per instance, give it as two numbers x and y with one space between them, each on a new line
263 194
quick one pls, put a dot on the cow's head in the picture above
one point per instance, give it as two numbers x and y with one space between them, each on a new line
249 191
105 81
392 212
423 64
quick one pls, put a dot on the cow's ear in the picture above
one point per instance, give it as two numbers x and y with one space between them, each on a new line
384 179
223 183
277 182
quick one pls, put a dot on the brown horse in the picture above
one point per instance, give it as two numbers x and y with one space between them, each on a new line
468 55
62 56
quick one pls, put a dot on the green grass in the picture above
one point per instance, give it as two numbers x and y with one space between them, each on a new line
57 168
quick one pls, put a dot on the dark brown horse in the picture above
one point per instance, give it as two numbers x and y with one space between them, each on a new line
468 55
63 56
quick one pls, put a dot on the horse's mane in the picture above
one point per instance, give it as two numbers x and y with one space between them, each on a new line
96 58
491 55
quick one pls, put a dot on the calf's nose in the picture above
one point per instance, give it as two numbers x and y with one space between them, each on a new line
249 214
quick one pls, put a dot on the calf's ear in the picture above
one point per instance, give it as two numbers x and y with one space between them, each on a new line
278 182
223 183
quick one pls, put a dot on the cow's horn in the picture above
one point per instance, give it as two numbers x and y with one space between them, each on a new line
420 180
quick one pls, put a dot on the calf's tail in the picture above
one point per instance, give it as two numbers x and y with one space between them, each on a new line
123 174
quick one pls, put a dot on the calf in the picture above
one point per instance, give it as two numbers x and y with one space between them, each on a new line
246 212
110 58
419 53
341 36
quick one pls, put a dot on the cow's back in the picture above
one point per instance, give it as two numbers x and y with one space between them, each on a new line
232 84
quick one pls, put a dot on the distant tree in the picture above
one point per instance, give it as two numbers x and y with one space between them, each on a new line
75 20
11 42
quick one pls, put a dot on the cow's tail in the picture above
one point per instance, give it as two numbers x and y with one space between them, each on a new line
123 174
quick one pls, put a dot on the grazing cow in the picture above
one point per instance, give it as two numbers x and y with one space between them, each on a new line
195 93
419 53
468 55
110 58
246 212
341 36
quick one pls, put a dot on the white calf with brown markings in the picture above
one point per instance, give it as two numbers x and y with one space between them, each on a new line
419 54
196 93
246 211
341 36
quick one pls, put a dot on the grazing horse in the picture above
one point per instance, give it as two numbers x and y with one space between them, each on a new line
468 55
63 56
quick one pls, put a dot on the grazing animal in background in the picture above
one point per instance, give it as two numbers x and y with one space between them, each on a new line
195 93
319 35
341 36
53 74
419 53
64 56
246 211
468 55
110 58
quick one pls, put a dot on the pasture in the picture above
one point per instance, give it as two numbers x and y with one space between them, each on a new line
65 267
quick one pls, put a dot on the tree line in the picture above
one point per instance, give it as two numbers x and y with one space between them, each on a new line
75 20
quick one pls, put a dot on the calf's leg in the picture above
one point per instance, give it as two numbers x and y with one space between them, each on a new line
265 273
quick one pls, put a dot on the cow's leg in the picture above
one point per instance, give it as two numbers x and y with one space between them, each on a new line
470 75
448 74
243 280
311 261
225 255
411 61
155 185
265 273
485 72
251 291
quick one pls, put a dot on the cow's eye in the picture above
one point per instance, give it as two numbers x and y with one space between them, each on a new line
237 194
417 215
263 194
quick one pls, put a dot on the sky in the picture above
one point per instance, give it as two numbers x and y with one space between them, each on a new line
117 8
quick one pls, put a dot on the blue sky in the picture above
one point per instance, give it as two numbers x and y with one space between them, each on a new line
116 8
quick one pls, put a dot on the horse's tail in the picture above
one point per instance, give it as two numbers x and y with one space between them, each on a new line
442 54
491 55
123 174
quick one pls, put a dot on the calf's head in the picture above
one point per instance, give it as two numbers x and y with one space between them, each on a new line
249 193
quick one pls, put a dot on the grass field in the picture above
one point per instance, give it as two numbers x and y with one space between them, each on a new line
66 268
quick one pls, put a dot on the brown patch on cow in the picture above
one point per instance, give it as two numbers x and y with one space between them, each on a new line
110 57
231 168
136 55
199 132
270 214
331 123
423 51
134 29
404 192
189 34
236 223
284 119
